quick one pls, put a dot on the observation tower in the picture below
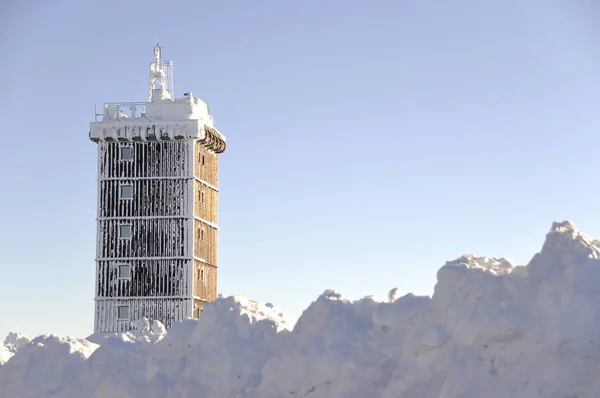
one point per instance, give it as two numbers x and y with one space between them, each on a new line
157 220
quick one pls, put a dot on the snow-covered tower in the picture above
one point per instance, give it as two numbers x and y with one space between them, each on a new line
156 254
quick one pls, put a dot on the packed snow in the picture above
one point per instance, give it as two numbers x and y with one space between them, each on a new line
490 330
12 343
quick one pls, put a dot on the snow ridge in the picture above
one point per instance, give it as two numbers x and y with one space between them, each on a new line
12 343
490 330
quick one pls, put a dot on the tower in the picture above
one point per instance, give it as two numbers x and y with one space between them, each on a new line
157 221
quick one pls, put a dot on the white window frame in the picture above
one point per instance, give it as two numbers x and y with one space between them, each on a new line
121 153
121 186
130 231
128 313
119 271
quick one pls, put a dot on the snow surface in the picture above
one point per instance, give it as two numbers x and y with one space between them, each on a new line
490 330
12 343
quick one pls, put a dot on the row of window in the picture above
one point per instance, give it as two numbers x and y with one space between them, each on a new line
126 192
124 273
126 154
125 232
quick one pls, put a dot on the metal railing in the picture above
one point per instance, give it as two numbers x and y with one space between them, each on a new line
122 110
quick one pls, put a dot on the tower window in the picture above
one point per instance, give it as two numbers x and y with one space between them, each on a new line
126 153
126 191
202 197
125 231
123 312
202 159
202 275
201 233
124 271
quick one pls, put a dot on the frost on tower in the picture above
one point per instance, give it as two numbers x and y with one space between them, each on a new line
156 253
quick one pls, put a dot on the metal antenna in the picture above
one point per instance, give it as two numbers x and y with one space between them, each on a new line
157 52
161 78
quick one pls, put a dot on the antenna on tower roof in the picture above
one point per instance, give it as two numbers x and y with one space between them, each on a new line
161 78
157 52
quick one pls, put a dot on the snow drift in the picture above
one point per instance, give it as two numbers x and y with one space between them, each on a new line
489 330
12 343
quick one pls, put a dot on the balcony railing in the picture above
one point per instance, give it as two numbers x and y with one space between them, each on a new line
123 110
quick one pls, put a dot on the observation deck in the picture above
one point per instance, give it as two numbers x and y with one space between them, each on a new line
164 120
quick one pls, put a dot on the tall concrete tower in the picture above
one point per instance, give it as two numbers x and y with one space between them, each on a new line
156 254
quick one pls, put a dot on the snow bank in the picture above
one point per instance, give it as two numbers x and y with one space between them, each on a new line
12 343
145 330
490 330
5 354
44 366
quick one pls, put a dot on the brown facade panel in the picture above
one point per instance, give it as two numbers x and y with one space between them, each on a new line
206 200
205 242
206 203
198 307
206 165
205 281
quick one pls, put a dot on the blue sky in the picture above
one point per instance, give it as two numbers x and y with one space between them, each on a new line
368 141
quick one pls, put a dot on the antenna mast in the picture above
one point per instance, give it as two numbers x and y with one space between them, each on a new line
161 78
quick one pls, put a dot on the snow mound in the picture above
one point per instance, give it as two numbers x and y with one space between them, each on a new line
43 367
144 330
12 343
15 341
5 354
490 330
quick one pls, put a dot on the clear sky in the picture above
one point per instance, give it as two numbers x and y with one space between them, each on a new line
368 141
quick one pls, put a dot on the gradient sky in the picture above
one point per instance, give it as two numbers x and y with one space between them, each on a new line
368 141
